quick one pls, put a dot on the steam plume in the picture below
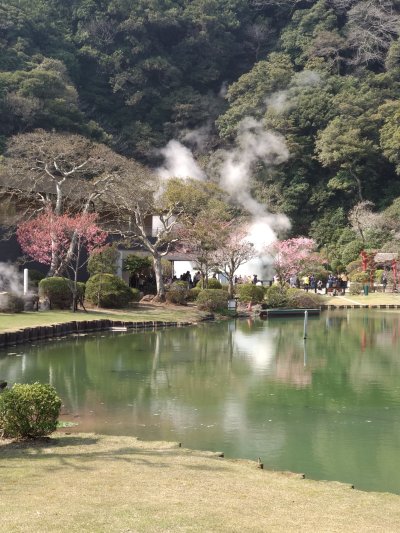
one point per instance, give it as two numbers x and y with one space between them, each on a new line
179 163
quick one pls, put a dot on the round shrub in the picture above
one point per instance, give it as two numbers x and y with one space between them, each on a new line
177 293
356 288
250 293
213 283
193 294
298 299
11 303
212 299
359 276
108 290
104 262
276 296
57 291
29 411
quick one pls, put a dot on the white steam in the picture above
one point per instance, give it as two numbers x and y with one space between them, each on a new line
254 144
282 101
10 279
179 163
199 137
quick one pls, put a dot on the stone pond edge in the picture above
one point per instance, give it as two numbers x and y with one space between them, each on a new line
75 327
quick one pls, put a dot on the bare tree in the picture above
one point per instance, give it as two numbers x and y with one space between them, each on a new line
233 252
61 173
146 217
372 26
362 219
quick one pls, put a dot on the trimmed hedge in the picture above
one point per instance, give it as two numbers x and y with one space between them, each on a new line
193 294
298 299
108 290
212 299
250 293
177 293
356 288
104 262
57 291
213 283
29 411
276 296
279 297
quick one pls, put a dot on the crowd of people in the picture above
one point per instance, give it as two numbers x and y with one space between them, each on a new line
335 284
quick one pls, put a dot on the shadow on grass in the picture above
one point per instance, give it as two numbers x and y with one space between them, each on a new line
45 442
42 449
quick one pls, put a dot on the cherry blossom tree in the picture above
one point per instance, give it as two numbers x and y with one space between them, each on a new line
64 237
289 256
234 252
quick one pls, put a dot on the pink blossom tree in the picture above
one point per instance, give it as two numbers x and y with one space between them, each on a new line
63 238
234 252
289 256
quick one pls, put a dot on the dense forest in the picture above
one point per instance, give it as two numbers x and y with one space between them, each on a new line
134 74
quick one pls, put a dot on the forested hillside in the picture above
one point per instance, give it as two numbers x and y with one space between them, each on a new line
135 74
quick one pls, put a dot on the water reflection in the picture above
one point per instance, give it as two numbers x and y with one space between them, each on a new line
328 406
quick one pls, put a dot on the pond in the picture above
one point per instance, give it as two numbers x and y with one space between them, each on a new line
329 407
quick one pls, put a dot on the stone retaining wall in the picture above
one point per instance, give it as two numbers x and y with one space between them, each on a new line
38 333
360 306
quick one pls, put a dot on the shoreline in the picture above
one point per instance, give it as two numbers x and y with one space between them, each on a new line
90 482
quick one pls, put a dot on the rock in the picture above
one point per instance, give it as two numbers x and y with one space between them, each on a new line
148 298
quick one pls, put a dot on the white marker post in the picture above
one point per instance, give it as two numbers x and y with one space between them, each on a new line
305 324
26 280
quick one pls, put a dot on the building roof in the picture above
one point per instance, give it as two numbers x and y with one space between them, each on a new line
385 257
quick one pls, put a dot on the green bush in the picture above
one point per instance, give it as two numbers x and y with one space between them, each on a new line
135 264
213 283
11 303
57 291
359 276
104 262
298 299
177 293
351 251
193 294
356 288
212 299
276 296
378 275
250 293
29 411
107 290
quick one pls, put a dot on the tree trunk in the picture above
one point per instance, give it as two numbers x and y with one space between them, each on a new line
230 287
159 279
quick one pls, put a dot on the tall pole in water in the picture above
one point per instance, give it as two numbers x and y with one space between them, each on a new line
305 324
26 280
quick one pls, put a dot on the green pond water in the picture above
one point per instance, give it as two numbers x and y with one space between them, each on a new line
329 407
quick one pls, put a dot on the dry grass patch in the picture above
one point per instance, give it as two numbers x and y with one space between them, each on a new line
120 484
144 312
374 298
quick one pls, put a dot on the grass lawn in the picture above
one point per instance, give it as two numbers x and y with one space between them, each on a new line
9 322
92 483
375 298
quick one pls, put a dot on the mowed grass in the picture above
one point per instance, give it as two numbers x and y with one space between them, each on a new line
91 483
374 298
144 312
